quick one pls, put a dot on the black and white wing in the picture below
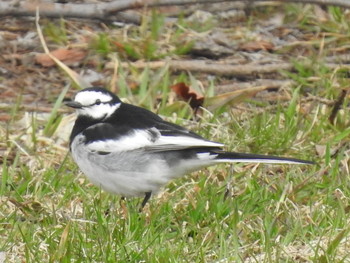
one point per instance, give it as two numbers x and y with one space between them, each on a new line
150 140
137 129
133 128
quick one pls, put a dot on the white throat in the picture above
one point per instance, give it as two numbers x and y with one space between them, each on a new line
101 111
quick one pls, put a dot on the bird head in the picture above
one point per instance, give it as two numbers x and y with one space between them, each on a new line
95 103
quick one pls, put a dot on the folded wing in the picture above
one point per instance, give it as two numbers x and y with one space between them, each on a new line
150 140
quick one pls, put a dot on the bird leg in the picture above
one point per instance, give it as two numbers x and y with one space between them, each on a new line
145 200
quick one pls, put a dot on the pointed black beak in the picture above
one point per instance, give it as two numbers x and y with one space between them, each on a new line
74 104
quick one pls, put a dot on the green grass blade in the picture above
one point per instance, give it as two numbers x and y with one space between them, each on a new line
54 119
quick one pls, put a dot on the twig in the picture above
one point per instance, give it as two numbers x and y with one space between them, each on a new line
343 58
29 108
337 105
90 11
310 98
212 8
219 69
318 99
214 68
104 10
268 83
79 81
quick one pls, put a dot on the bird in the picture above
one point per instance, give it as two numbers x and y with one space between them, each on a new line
132 152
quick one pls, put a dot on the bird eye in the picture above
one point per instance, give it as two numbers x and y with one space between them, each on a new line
97 102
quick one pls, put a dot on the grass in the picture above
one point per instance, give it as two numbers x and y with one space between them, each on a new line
152 40
49 212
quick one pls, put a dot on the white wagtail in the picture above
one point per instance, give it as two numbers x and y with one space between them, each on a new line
130 151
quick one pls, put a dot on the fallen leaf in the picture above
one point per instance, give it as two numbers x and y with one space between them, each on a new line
257 46
5 117
67 56
119 45
321 150
186 93
79 81
7 93
320 14
2 257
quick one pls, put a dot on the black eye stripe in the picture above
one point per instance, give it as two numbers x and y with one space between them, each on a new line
98 102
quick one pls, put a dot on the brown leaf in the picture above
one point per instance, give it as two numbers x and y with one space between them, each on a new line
257 46
133 85
186 93
5 117
67 56
118 44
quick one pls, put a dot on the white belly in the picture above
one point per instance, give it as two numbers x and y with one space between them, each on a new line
126 174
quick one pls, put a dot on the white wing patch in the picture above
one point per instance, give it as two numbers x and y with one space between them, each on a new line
181 142
136 140
145 140
206 156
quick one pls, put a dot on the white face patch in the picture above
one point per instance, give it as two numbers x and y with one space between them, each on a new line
90 108
100 111
87 98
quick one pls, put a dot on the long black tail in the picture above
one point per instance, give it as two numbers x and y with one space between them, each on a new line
257 158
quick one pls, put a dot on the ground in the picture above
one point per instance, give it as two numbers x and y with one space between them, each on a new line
272 79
